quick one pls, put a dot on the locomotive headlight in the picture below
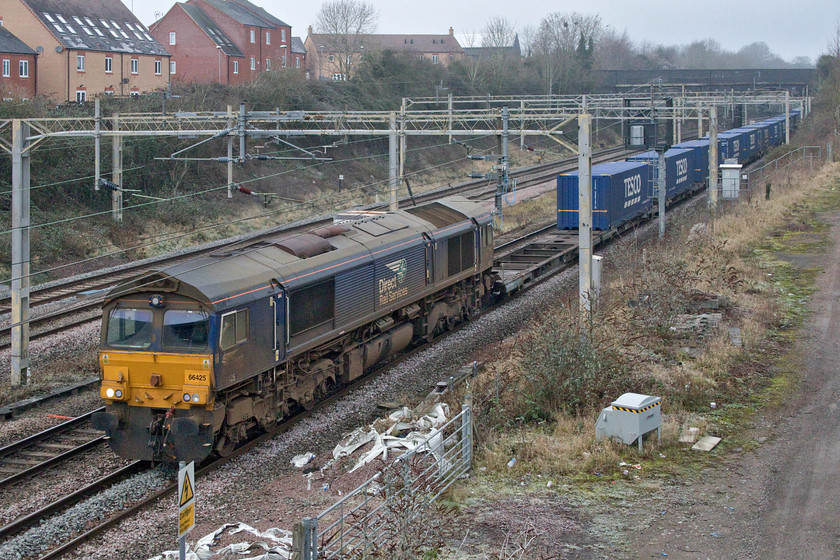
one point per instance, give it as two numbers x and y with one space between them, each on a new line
118 393
195 397
109 393
187 397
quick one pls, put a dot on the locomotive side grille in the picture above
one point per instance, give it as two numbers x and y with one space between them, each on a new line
353 295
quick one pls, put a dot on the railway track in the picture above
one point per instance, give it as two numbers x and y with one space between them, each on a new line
83 296
532 263
30 456
522 263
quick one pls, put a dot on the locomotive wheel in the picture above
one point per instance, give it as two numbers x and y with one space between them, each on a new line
227 441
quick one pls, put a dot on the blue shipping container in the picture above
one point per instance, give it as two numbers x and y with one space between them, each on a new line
679 169
701 157
619 194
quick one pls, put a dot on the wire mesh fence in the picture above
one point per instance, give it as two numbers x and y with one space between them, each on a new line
781 168
379 518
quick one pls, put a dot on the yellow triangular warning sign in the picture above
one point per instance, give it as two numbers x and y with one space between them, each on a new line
186 492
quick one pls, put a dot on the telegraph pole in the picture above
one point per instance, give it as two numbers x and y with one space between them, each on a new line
230 152
117 174
97 128
787 117
660 190
20 253
502 175
585 213
392 162
713 164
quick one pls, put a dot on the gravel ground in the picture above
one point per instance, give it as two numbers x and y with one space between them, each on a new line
263 490
30 495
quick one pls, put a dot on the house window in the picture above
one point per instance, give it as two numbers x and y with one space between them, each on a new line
23 68
348 59
109 65
80 63
171 37
283 60
253 63
157 67
236 67
253 36
297 62
338 76
135 64
81 96
7 67
282 35
267 38
171 66
434 59
268 64
331 58
135 93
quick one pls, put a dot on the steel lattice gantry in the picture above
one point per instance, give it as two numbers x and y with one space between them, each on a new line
461 116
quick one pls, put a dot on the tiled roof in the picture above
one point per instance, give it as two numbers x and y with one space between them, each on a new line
9 43
240 13
261 13
297 45
211 29
95 25
400 43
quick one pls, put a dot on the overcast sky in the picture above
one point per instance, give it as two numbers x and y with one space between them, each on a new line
790 29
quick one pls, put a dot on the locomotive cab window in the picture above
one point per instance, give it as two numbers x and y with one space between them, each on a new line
234 328
129 328
185 329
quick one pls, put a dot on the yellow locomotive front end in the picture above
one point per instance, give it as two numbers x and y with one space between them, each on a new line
157 379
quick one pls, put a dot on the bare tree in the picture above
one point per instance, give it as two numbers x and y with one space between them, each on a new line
562 49
615 52
834 42
344 23
471 62
497 38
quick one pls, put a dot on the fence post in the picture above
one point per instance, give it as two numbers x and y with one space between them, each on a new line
466 431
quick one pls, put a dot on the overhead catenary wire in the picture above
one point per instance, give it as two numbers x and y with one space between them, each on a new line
170 237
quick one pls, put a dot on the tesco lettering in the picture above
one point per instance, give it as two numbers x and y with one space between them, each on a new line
632 186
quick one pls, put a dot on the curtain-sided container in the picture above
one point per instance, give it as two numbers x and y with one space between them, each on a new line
680 171
701 157
620 192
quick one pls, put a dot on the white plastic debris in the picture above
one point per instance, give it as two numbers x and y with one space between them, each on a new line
299 461
406 434
280 547
356 439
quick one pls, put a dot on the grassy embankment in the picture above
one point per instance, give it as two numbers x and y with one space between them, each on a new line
542 389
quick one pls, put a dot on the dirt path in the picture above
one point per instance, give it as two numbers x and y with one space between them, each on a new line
782 501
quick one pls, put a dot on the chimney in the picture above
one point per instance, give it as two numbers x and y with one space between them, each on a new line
309 31
451 32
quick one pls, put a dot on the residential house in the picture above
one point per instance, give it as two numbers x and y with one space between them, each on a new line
477 45
333 57
224 41
17 79
87 47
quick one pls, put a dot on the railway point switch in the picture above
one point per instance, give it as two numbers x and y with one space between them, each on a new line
630 417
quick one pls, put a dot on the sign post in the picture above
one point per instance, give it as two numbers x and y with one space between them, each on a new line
186 505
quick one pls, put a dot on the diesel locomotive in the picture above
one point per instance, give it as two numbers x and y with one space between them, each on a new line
197 356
